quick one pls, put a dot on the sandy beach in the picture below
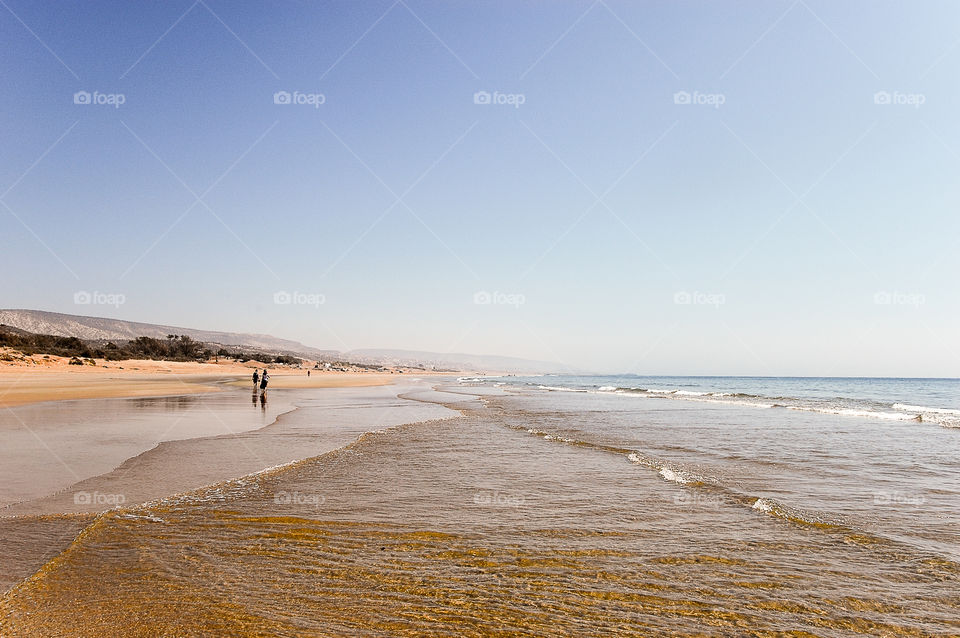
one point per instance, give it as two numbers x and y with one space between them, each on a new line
53 378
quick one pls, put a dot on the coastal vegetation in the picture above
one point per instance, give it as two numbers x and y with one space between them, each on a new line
173 348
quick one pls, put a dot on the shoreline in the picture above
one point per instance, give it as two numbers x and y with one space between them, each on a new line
169 469
54 379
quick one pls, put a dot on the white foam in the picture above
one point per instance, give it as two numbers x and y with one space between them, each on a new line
749 404
139 517
920 408
942 416
764 505
674 475
891 416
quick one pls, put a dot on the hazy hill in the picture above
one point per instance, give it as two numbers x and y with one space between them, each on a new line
99 328
104 329
456 360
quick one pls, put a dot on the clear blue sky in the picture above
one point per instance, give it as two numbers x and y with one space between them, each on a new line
788 216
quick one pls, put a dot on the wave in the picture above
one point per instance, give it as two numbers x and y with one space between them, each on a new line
700 489
677 476
749 404
546 436
666 471
921 408
946 417
891 416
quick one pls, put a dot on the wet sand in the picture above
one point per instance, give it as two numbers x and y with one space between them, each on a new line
64 463
323 380
33 387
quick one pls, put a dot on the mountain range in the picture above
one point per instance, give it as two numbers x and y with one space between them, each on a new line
106 329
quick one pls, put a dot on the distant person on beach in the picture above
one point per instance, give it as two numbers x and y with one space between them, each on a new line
263 381
256 379
308 373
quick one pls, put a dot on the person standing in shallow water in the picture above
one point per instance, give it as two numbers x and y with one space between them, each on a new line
263 381
256 379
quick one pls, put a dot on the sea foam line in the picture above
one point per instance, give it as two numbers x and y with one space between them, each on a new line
921 408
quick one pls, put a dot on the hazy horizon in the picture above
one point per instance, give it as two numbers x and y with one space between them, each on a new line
650 189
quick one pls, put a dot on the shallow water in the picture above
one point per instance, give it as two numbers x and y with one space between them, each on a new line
233 436
75 440
537 515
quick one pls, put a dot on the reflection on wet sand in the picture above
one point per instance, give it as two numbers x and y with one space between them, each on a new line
168 404
330 419
47 447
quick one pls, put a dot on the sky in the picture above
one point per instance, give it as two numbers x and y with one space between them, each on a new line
750 188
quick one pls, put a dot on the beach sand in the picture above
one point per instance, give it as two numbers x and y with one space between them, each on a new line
53 378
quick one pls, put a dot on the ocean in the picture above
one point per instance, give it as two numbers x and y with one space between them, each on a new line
558 506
